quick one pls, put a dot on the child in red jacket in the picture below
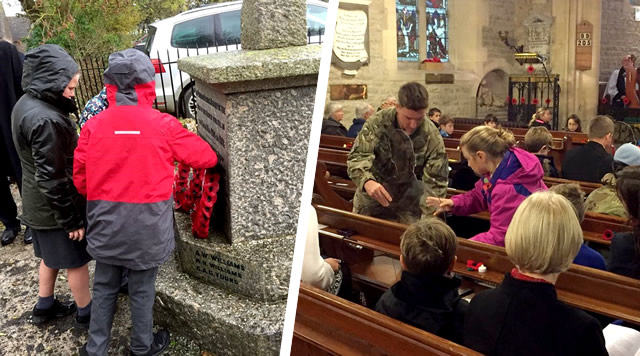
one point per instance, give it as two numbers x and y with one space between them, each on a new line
124 165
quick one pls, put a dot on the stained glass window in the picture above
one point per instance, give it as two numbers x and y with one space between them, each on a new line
407 30
437 30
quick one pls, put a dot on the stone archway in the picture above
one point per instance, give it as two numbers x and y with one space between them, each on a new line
491 94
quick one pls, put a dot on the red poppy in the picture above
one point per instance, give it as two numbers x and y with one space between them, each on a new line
535 101
604 100
625 100
547 101
523 100
530 69
514 101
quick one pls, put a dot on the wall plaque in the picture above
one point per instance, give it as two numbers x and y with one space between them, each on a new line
584 45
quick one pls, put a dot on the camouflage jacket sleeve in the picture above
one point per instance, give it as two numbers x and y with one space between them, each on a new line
361 157
436 169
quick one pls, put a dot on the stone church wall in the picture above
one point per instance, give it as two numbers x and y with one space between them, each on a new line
620 35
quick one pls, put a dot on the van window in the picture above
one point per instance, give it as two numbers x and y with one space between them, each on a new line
193 33
316 19
227 28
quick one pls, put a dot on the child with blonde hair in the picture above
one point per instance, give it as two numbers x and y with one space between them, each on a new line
523 316
508 175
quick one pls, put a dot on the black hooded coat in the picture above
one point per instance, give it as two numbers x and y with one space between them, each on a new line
10 92
45 138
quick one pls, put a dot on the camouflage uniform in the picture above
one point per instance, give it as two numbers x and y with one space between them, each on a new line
380 153
604 200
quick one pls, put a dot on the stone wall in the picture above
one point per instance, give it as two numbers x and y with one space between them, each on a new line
475 49
620 35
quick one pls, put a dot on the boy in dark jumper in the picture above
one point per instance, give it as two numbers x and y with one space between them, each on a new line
427 294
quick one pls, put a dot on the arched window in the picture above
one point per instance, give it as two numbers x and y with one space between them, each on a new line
437 30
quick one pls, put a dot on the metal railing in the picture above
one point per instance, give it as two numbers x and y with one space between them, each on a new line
92 80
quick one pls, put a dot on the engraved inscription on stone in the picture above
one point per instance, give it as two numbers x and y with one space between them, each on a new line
212 120
218 268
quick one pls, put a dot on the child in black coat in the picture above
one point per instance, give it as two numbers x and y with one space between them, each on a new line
427 294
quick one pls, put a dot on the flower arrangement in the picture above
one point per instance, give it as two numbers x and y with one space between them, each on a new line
432 60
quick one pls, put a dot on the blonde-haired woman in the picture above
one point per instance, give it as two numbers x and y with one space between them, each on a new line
542 117
508 175
523 315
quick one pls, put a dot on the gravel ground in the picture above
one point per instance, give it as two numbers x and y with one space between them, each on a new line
18 294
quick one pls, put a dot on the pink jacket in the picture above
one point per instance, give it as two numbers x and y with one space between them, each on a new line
518 176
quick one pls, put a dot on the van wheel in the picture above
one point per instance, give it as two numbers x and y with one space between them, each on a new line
188 102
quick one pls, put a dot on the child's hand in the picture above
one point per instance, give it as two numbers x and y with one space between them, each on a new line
444 205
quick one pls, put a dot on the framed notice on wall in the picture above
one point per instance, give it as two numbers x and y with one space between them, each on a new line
584 45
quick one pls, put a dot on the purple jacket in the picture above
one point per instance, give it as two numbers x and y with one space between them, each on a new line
518 176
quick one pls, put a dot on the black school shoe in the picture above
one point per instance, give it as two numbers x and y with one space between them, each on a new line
82 322
9 235
28 237
58 310
159 344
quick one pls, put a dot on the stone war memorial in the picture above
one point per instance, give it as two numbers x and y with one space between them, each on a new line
228 292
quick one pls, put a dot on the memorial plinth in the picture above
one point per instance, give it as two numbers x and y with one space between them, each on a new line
255 108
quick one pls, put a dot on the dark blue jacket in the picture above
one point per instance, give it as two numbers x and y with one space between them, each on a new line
590 258
355 127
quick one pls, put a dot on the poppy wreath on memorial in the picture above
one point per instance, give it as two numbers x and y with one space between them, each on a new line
196 196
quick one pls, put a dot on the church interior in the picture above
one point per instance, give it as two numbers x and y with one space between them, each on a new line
515 61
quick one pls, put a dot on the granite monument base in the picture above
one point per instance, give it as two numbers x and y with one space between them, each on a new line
218 321
259 269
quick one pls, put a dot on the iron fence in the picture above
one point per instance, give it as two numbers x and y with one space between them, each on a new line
175 90
528 92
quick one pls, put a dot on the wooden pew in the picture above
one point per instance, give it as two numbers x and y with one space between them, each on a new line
336 161
586 288
578 138
593 226
328 325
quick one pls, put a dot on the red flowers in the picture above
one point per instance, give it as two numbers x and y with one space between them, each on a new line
547 101
535 101
625 100
523 100
530 69
604 100
432 60
514 101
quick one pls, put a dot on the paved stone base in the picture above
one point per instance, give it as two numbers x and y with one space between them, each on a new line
220 322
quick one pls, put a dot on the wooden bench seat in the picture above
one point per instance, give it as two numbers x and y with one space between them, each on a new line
328 325
593 226
586 288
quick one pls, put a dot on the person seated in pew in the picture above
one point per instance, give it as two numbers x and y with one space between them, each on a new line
538 140
427 294
573 124
388 102
523 316
446 126
398 159
591 161
508 175
434 115
542 117
491 120
331 124
316 271
604 200
586 256
625 247
363 112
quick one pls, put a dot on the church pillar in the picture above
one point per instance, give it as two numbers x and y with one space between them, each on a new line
579 88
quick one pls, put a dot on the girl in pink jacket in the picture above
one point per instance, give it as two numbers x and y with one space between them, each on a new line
508 175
